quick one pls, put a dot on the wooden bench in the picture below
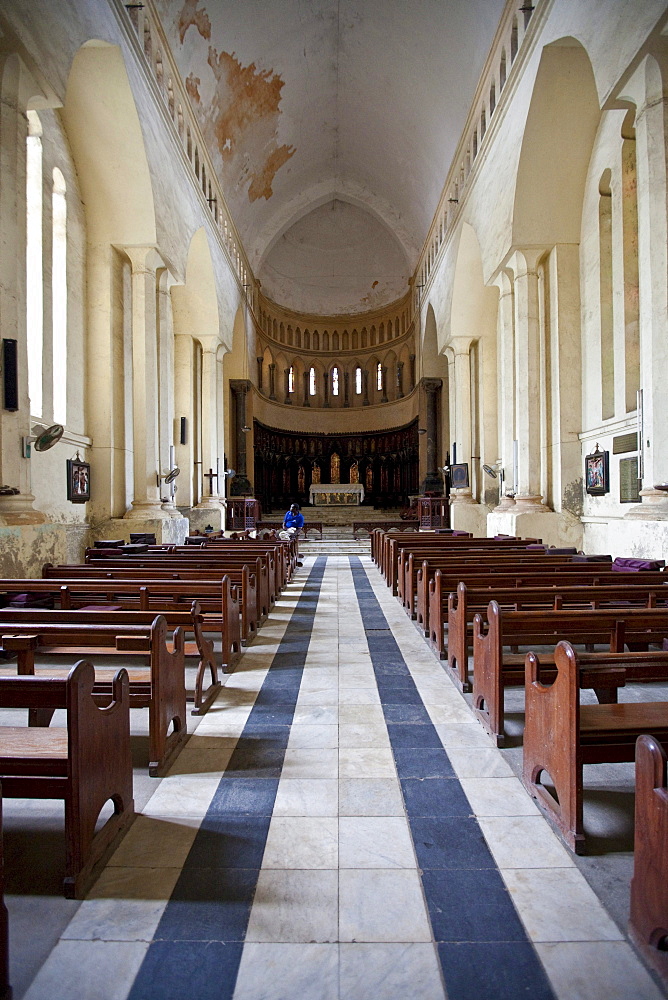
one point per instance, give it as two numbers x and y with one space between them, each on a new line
219 606
497 664
371 526
648 924
191 620
561 735
245 580
469 600
159 685
278 525
85 763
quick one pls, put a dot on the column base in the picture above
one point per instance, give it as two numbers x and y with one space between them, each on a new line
504 504
142 510
461 496
654 506
560 529
17 508
167 530
433 483
469 516
211 503
531 504
200 518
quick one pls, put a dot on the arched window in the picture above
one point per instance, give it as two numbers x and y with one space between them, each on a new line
291 379
358 381
34 275
59 293
335 381
311 382
379 376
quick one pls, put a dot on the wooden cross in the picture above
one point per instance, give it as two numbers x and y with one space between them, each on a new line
210 475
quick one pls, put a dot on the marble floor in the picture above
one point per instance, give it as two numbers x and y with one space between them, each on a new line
338 826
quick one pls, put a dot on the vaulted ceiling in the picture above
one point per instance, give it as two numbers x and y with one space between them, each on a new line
332 124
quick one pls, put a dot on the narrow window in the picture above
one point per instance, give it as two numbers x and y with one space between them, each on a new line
291 379
34 275
335 381
311 382
59 294
358 381
379 376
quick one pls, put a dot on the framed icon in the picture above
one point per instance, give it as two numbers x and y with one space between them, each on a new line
78 481
597 479
459 476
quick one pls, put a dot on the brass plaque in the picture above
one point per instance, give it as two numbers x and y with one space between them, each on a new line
628 481
624 443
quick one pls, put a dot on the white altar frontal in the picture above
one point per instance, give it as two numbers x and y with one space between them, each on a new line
336 494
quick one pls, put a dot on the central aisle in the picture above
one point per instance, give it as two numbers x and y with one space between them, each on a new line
339 826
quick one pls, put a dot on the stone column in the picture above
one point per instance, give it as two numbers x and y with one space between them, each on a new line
209 418
461 382
325 388
383 382
365 387
286 376
432 388
506 384
528 390
400 380
259 373
16 87
307 395
647 90
346 389
272 380
240 484
146 504
165 326
411 360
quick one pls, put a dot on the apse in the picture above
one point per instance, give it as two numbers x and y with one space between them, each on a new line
338 258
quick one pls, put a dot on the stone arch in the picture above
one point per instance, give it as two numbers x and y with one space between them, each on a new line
556 147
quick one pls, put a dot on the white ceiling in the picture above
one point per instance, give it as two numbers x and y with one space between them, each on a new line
309 102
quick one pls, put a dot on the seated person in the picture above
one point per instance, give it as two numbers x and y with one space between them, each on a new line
293 522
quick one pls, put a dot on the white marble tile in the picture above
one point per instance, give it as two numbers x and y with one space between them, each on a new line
375 842
557 904
308 842
316 715
153 842
110 969
390 972
295 906
351 715
363 735
307 797
462 735
601 970
359 696
282 971
313 737
201 762
181 795
380 905
479 763
451 709
498 797
224 738
125 904
370 797
310 764
524 842
366 762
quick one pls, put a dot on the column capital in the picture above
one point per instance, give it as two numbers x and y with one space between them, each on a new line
144 259
431 385
523 261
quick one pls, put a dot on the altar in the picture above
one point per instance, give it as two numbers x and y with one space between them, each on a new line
336 494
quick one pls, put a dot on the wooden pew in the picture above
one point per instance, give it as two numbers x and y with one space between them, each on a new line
527 594
648 924
442 584
277 526
187 620
371 526
561 735
159 685
245 580
85 763
495 667
219 606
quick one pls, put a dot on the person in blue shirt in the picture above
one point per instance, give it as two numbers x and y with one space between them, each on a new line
293 521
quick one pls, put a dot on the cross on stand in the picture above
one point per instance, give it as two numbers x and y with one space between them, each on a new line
210 475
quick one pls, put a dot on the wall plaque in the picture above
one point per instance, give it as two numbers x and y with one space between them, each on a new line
624 443
628 481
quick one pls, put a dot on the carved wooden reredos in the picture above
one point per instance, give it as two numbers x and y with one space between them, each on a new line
335 361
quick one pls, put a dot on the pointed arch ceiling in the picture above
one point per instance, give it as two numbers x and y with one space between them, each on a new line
306 104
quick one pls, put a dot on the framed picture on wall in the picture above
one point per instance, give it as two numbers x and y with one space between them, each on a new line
78 481
597 479
459 476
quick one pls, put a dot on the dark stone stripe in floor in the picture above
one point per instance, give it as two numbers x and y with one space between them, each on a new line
482 945
196 949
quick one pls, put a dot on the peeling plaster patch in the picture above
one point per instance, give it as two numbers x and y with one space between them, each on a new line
192 86
190 17
248 110
375 284
573 497
262 181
